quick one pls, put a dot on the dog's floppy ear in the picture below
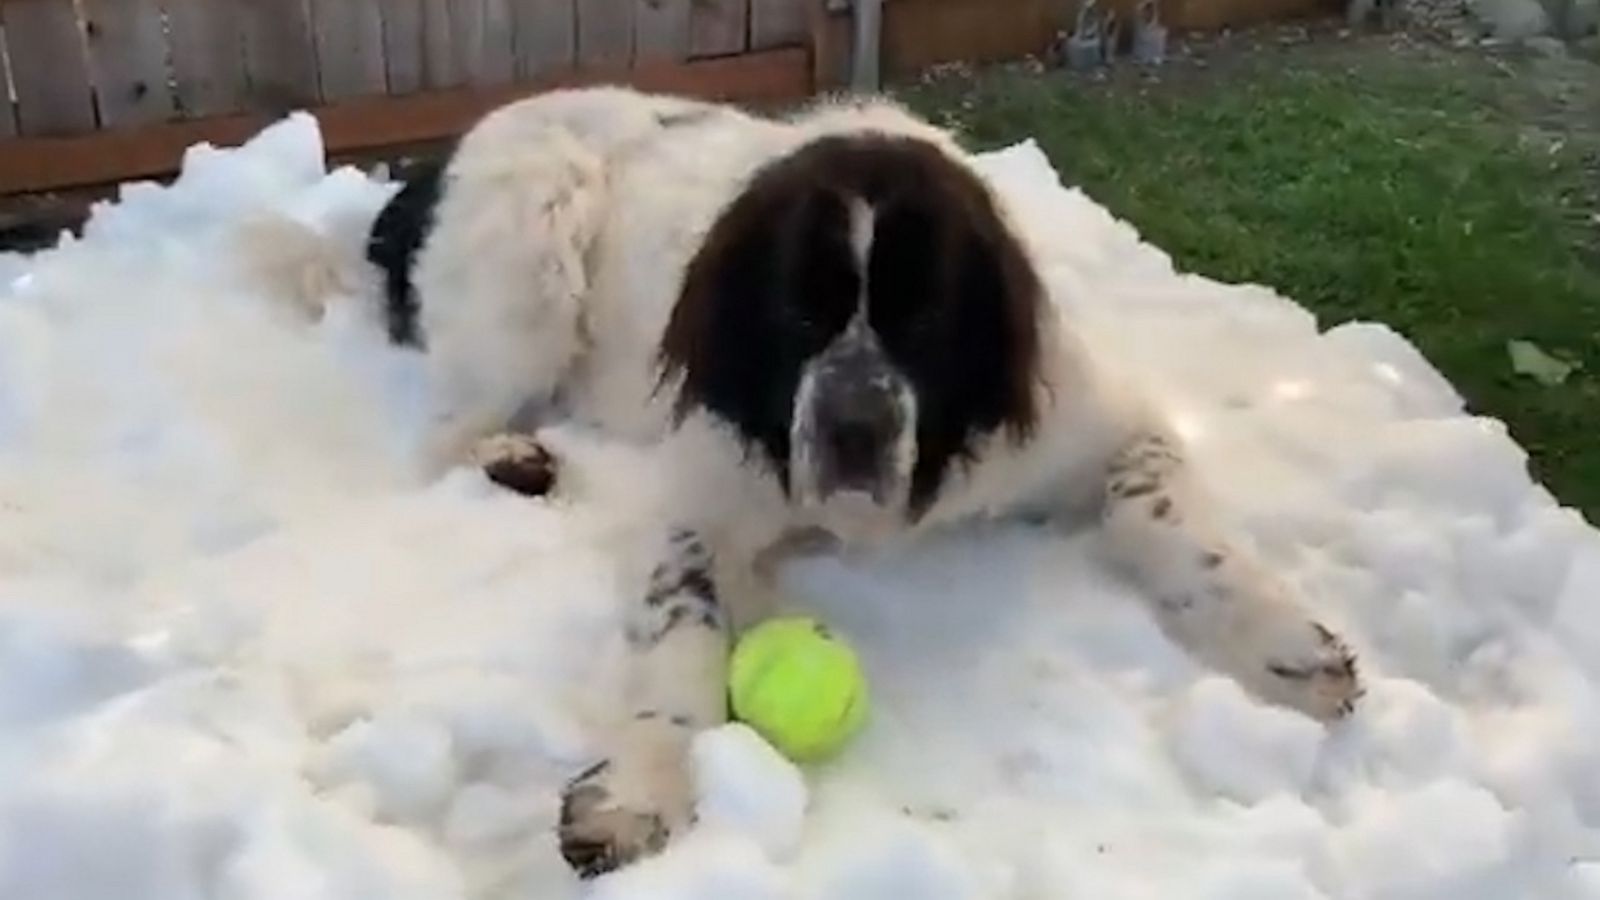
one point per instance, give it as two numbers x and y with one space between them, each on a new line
773 280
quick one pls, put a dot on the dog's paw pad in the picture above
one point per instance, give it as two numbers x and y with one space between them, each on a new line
517 462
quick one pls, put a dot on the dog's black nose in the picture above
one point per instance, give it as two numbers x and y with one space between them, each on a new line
858 431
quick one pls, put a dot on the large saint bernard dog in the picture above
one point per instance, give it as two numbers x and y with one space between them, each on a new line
835 337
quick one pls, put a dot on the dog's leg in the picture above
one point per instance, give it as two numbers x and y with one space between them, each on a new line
502 278
1211 597
628 804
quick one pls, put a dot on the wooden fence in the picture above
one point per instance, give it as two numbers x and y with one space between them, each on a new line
98 91
93 91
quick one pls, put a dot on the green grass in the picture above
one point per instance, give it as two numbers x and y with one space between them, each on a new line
1378 186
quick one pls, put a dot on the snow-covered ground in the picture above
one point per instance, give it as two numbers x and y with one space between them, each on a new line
245 653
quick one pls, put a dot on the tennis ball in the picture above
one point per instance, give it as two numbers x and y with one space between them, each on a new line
798 686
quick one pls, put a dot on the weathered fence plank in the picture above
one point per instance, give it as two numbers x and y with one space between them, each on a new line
440 66
47 67
128 61
483 41
545 35
495 61
605 33
8 113
718 27
777 23
349 41
279 54
661 30
208 56
402 44
367 123
466 33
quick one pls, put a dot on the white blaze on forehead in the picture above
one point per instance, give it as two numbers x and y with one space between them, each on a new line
863 219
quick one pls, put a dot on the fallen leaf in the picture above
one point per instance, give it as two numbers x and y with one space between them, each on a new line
1528 358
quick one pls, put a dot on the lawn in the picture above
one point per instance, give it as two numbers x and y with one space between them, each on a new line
1446 193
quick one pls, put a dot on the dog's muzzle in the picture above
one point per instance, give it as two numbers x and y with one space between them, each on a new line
854 429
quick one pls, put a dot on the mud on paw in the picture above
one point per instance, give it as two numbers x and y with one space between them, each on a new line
517 462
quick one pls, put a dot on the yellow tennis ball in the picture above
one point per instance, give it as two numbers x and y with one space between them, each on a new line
798 686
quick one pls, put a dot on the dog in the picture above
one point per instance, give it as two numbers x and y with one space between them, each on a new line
830 330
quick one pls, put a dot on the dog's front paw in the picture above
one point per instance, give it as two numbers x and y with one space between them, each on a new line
625 808
517 462
600 833
1319 677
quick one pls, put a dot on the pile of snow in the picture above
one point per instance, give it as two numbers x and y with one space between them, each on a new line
246 653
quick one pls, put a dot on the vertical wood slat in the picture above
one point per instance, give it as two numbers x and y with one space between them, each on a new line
661 30
440 68
499 60
467 42
8 115
777 23
718 27
481 35
208 56
605 32
279 55
466 35
127 52
349 42
544 35
402 45
47 65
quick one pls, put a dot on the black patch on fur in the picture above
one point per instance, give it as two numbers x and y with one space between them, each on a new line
1130 489
692 116
396 237
670 581
952 296
687 569
592 771
676 615
1290 673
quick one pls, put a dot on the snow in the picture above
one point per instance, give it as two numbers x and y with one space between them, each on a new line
745 786
246 652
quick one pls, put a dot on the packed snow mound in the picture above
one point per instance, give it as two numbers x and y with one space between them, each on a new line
247 653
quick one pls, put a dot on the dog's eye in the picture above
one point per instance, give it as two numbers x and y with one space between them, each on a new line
824 300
